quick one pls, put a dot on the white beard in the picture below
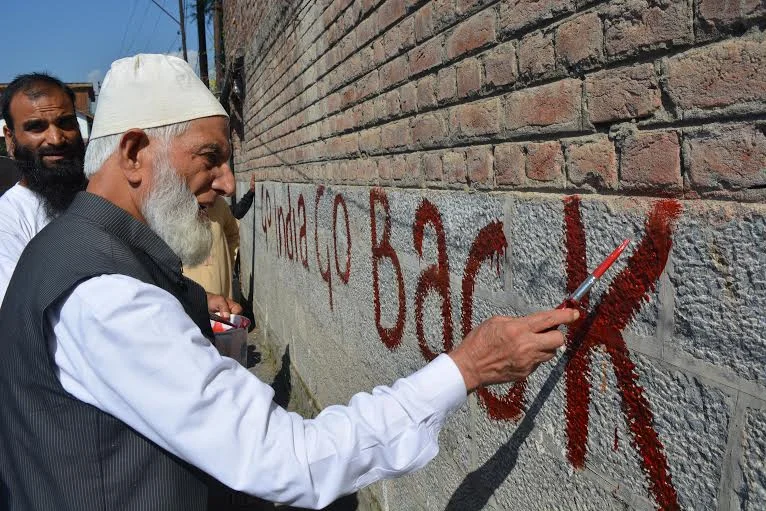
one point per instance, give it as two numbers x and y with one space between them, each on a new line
173 213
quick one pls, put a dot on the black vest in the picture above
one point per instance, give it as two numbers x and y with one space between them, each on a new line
56 452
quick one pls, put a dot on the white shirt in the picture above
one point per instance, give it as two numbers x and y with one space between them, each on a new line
129 349
22 215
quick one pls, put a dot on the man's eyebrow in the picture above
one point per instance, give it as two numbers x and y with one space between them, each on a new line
33 123
219 149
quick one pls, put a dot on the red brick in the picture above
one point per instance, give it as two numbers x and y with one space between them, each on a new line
510 163
580 42
465 6
368 5
592 162
396 134
424 23
379 52
426 56
468 77
385 168
400 38
723 13
426 92
348 96
473 33
347 121
444 13
343 146
517 15
390 12
398 168
536 55
624 93
394 72
718 75
500 65
479 164
475 119
730 159
454 166
414 166
387 105
408 94
367 110
550 107
366 31
447 84
545 162
370 141
368 85
633 25
428 130
432 166
366 170
393 104
651 161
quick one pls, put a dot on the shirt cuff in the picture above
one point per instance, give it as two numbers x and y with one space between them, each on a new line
440 384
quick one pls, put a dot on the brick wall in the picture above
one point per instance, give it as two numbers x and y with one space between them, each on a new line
509 110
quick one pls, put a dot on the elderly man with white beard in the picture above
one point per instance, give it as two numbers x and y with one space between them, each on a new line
136 409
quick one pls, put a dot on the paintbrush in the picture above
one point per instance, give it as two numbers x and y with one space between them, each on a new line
573 300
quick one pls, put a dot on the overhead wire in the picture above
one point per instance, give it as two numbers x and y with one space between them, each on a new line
148 45
140 26
127 26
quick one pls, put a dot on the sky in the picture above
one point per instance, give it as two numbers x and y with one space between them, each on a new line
77 41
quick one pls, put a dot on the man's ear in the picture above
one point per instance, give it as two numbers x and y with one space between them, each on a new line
9 145
133 156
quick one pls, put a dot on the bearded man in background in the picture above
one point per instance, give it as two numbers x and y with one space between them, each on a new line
43 137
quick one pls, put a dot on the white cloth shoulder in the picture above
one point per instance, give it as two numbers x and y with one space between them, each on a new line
129 349
22 215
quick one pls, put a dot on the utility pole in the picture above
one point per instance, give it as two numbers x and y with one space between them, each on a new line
183 27
202 42
218 43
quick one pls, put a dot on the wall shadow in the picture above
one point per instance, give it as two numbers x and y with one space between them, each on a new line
478 486
282 383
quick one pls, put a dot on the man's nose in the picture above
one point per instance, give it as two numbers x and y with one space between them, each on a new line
223 180
54 136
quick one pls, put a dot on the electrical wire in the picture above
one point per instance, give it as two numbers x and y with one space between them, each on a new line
127 26
140 26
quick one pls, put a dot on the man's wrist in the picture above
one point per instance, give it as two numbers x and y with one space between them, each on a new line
466 368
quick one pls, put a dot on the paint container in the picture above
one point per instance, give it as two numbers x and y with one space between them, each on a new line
231 337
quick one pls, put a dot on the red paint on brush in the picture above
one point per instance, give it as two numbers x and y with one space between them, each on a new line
391 337
604 327
434 278
490 243
611 258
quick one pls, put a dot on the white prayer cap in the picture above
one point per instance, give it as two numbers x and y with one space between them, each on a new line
147 91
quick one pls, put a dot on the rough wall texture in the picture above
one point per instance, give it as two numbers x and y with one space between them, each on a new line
423 165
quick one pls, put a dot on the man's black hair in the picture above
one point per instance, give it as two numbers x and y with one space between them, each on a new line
26 84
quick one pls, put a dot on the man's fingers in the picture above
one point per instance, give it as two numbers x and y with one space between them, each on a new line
549 341
546 320
234 307
217 303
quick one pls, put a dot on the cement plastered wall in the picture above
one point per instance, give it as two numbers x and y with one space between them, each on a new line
423 165
674 360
